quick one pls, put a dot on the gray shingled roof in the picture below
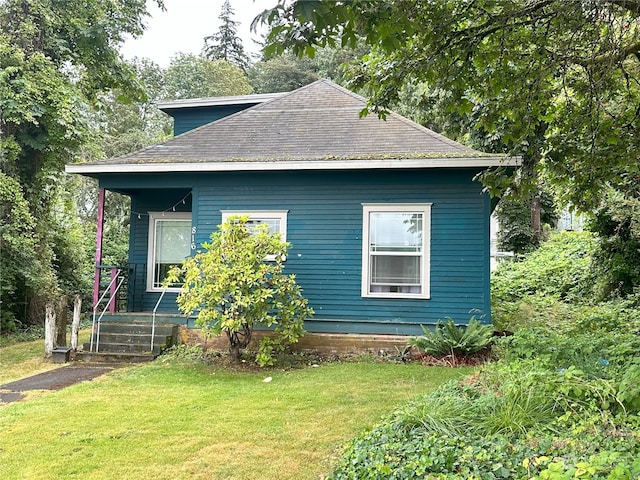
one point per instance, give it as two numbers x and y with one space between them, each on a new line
319 122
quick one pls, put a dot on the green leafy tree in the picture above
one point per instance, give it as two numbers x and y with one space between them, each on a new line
225 43
617 258
21 269
238 283
286 72
191 76
56 60
126 126
283 73
516 214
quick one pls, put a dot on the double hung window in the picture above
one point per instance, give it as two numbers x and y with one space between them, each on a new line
275 220
395 248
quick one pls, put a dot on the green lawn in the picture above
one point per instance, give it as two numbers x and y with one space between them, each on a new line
19 360
171 421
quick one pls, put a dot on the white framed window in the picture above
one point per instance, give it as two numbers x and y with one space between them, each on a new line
169 245
276 220
396 250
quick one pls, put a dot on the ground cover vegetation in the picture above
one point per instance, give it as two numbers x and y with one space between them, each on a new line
562 401
182 418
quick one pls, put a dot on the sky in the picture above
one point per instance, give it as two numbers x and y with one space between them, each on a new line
184 24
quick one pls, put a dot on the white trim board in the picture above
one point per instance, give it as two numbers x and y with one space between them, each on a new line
231 166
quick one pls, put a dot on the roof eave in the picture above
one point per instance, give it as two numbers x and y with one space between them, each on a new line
217 101
252 166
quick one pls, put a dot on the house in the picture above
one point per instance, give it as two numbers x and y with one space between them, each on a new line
388 229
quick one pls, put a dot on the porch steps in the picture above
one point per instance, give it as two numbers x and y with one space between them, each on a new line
145 317
128 342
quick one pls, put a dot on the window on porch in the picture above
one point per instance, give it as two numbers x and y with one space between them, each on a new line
169 245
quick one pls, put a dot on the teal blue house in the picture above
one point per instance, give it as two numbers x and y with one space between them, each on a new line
388 228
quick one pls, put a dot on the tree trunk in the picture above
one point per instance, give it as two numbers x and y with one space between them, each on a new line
49 329
75 325
238 341
234 351
536 224
234 345
61 327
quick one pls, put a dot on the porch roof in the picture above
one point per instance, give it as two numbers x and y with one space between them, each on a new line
316 127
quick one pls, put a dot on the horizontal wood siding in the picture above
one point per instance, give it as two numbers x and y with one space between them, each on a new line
143 202
325 229
193 117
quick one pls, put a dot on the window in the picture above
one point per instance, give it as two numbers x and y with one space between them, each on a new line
275 220
395 250
169 245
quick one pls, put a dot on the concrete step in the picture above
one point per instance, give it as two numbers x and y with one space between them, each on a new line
164 329
145 317
112 357
132 339
135 338
138 332
123 347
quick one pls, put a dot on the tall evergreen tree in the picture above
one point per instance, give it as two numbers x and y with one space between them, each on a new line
225 43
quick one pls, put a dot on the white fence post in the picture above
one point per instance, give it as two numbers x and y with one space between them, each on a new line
49 329
75 325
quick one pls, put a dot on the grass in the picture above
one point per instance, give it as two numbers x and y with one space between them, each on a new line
19 360
185 420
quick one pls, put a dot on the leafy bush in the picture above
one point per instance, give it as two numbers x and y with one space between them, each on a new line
238 282
512 422
183 353
560 268
617 258
563 401
449 339
517 233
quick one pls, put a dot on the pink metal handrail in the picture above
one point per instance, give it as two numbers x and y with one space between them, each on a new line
114 292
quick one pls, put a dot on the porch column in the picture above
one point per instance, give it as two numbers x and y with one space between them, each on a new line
112 293
100 227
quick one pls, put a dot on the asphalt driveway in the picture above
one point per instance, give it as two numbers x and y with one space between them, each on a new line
52 380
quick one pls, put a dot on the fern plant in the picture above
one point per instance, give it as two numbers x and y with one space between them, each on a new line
449 339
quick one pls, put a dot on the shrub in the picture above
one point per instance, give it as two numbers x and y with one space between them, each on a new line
512 422
617 257
560 268
449 339
562 401
238 282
